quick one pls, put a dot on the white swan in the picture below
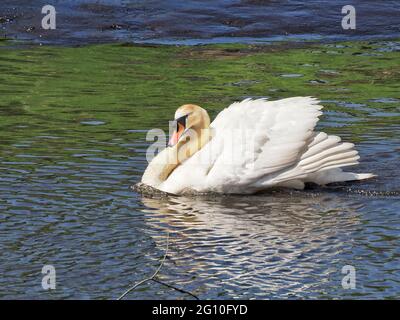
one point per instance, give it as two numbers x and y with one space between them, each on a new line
250 146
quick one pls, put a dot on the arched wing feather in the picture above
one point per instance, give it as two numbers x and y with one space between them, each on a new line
256 138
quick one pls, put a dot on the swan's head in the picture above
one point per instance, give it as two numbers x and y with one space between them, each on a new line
188 116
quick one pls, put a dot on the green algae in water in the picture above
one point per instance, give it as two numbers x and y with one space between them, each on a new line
53 91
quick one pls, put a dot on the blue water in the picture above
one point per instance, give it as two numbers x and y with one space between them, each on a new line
193 22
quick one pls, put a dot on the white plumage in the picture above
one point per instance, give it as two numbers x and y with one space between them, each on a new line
258 144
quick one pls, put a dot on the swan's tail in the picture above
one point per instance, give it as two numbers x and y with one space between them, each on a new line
336 175
322 162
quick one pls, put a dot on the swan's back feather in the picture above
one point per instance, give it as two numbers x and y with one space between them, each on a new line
276 132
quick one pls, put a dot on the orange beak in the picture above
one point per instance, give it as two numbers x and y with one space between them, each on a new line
176 135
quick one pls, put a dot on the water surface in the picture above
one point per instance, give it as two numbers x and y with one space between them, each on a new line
194 21
73 127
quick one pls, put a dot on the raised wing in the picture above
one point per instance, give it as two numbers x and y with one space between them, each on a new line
256 139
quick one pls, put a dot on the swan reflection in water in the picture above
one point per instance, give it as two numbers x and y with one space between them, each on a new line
265 246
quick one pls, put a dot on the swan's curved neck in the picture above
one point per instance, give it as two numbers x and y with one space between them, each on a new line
160 167
167 160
